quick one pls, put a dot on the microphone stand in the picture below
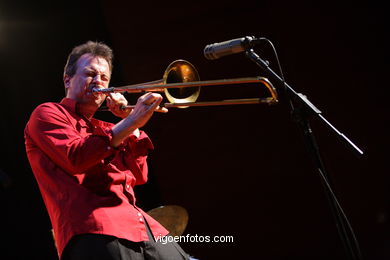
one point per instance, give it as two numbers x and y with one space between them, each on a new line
301 109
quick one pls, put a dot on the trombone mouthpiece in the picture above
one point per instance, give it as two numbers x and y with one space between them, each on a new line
103 90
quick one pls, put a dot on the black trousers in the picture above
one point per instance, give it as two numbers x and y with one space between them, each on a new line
103 247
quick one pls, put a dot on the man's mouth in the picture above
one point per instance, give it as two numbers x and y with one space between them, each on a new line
96 87
91 87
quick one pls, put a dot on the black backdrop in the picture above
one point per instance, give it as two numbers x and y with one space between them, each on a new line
240 170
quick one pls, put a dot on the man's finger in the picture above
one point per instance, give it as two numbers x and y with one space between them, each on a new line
161 109
153 106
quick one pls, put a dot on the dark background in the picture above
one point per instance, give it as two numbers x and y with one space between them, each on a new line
239 170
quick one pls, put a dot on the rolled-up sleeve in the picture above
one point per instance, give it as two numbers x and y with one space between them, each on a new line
136 156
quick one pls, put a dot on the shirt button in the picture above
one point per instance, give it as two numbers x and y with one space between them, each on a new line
128 186
139 214
141 220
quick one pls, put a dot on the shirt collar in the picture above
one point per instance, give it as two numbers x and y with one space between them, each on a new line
69 104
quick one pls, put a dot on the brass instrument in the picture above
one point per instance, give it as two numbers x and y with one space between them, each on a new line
181 85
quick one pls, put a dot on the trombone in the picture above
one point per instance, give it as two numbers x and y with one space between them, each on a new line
181 86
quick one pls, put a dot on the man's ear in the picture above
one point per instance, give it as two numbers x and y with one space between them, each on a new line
66 81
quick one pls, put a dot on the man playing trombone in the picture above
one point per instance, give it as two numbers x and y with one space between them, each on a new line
86 168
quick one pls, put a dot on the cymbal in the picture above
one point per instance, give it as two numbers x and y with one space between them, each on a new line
172 217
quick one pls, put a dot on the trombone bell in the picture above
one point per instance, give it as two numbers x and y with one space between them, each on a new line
181 71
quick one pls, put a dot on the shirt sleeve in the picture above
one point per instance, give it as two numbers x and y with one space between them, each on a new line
136 156
52 131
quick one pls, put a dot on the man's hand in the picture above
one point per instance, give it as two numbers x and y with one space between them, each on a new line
146 105
116 102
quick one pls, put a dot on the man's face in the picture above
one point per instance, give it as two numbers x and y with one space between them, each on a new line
92 72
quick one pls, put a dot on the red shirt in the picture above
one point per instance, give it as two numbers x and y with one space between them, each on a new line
87 186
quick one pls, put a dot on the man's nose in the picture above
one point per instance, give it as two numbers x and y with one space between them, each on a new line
97 79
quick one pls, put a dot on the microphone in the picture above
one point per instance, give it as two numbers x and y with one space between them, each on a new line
217 50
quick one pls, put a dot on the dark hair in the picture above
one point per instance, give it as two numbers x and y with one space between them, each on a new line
97 49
